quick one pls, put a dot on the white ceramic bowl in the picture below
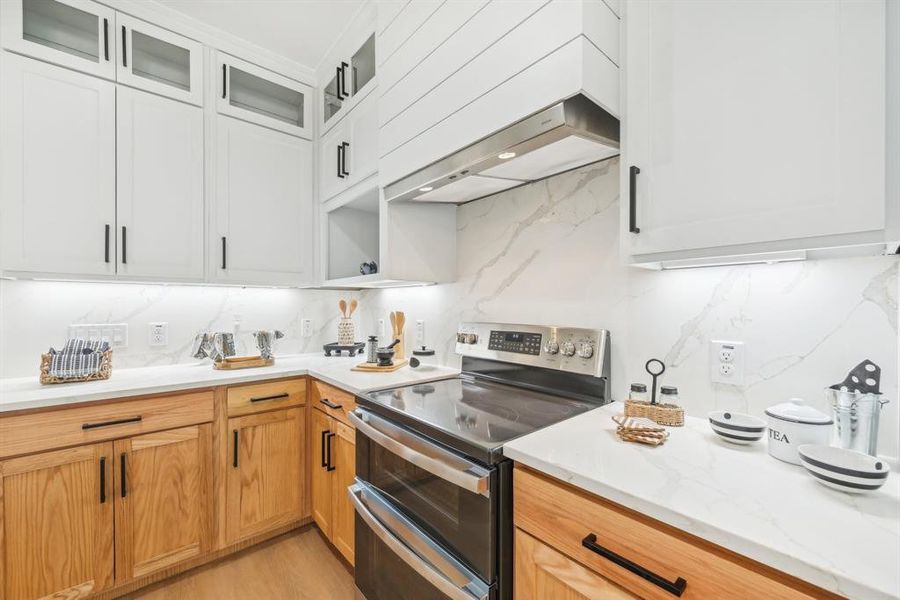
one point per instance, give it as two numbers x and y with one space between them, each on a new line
737 428
845 470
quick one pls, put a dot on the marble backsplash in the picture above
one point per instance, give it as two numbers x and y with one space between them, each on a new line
543 253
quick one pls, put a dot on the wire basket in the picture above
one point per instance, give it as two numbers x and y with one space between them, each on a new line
103 372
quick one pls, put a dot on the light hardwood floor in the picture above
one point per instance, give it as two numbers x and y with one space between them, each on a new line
297 565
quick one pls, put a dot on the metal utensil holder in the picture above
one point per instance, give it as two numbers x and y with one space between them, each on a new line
856 417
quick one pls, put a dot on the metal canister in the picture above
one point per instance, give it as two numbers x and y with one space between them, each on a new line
856 417
372 349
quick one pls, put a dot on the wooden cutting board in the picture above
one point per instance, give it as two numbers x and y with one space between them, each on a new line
243 362
374 368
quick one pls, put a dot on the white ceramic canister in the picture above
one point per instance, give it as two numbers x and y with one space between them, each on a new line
794 423
423 359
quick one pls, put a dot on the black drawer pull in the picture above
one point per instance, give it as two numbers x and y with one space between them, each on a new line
676 589
111 423
234 460
124 245
106 245
632 199
325 434
224 255
122 467
275 397
102 480
340 160
329 466
330 404
345 146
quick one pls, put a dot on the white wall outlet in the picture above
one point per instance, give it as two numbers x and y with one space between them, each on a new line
306 328
726 362
159 334
114 333
381 332
420 332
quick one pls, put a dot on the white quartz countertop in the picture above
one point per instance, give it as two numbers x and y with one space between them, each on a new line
27 393
735 496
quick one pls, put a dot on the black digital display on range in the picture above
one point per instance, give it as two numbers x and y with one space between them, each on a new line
515 341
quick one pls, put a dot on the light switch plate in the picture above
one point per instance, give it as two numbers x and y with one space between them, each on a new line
420 332
114 333
306 328
726 362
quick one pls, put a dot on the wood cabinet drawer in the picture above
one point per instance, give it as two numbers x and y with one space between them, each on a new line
573 522
35 432
333 401
257 397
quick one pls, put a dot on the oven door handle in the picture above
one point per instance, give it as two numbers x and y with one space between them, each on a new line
425 455
437 566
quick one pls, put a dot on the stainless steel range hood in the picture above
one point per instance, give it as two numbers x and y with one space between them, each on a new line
567 135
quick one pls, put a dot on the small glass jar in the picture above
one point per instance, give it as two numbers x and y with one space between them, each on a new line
638 393
668 394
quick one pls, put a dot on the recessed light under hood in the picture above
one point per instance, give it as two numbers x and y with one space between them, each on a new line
565 136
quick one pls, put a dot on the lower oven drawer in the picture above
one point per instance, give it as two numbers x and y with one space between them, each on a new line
396 560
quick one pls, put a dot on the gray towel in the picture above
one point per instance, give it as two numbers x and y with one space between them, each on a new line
78 358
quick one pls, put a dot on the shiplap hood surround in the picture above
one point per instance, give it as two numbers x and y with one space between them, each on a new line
567 135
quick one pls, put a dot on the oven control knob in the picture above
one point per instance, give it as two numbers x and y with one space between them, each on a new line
551 347
568 349
586 350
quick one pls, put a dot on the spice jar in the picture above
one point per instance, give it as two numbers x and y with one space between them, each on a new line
668 394
639 393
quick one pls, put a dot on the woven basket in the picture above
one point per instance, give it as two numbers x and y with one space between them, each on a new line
670 415
103 373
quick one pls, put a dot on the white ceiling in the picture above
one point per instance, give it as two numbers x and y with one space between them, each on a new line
301 30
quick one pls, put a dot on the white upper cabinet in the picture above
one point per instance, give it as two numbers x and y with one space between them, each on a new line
78 34
253 94
159 187
57 170
755 126
348 153
263 206
159 61
347 74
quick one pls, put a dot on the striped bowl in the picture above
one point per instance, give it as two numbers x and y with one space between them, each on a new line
845 470
737 428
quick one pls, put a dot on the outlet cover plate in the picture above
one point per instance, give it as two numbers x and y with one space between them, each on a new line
159 334
720 351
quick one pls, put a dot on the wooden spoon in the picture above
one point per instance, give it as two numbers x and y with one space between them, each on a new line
343 306
353 305
401 323
393 325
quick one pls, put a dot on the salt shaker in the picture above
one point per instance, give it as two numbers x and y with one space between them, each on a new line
668 395
639 393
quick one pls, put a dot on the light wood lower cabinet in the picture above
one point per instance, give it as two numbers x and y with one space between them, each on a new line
333 451
162 499
266 478
56 531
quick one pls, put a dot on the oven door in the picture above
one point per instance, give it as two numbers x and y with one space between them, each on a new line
451 498
395 560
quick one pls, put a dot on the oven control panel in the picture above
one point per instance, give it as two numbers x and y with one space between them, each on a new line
571 349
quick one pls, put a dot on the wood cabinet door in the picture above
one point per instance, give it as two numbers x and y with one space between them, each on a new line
265 481
162 497
58 171
322 428
542 572
343 461
159 184
56 523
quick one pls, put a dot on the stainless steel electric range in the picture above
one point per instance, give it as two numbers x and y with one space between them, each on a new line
433 492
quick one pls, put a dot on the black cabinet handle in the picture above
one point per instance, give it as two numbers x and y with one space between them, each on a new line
676 588
343 70
340 167
124 47
122 468
224 80
106 244
124 245
224 257
325 434
106 40
337 83
110 423
234 459
330 404
329 466
102 480
345 146
275 397
632 199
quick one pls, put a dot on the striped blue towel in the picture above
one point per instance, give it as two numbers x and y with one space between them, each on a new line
78 358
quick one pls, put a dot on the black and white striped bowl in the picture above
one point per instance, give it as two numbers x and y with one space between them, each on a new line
737 428
845 470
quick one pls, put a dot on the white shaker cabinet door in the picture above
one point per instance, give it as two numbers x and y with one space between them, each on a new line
57 170
263 206
753 122
159 187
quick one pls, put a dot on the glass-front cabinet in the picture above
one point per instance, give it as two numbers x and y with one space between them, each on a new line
72 33
253 94
351 80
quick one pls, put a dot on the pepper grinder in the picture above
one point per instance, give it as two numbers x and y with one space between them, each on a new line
372 349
